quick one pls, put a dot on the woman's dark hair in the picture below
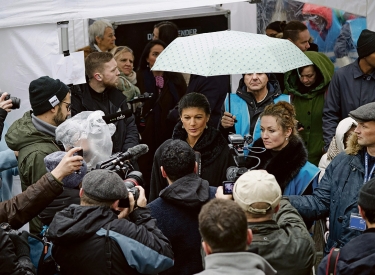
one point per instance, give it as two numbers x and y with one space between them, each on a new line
292 29
146 52
168 31
276 26
194 100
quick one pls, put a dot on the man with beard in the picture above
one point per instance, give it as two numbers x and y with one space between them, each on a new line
100 93
33 135
242 109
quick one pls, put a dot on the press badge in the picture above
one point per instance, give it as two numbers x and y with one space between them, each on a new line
357 222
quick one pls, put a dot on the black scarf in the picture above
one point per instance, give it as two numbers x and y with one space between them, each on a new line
210 144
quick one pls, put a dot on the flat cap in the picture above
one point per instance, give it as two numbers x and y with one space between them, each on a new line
104 185
364 113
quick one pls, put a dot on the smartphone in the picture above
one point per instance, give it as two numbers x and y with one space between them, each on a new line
80 153
228 187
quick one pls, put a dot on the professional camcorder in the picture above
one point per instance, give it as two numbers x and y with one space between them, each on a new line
121 164
239 148
16 102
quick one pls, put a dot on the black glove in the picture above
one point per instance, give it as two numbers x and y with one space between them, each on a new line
21 244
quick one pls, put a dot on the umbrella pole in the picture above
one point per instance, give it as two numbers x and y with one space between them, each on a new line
229 101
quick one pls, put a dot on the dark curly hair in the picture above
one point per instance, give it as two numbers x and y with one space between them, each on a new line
178 159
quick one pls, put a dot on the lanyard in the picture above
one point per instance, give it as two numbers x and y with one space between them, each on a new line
367 176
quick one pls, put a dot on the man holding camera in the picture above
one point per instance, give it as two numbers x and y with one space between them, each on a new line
279 233
33 135
177 208
100 93
99 237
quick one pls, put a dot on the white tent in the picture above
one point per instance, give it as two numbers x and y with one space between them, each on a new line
29 34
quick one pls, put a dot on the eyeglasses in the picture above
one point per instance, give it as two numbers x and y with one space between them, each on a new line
68 106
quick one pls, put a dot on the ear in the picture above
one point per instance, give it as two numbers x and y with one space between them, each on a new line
360 210
288 132
115 207
277 208
97 39
249 236
80 192
163 173
207 249
98 77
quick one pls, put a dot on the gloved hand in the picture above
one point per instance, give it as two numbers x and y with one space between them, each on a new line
22 251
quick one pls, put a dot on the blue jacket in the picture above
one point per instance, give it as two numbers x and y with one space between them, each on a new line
246 110
336 196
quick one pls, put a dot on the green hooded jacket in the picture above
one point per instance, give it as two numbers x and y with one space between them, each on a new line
309 102
32 147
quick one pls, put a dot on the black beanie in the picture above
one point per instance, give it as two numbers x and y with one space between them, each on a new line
45 93
366 196
366 43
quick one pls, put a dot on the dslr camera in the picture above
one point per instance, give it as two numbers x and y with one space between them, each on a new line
16 102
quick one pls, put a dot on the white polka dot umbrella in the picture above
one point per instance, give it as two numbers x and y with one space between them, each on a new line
230 52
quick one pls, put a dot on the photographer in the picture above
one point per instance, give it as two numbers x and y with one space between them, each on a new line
82 235
25 206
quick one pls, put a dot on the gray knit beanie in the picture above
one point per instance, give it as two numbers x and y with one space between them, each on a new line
366 196
104 185
71 181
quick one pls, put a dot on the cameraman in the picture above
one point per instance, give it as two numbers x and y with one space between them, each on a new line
14 249
83 234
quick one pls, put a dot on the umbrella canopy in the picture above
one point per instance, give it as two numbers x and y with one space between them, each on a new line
230 52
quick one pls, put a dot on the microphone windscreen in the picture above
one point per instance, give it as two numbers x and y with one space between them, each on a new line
138 150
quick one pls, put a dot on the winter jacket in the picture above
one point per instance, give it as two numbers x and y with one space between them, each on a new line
337 144
67 197
349 89
309 102
336 195
215 88
33 147
137 246
239 263
176 212
22 208
126 135
215 159
285 237
157 127
243 105
295 175
356 257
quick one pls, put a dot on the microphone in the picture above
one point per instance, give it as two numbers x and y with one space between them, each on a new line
137 150
117 116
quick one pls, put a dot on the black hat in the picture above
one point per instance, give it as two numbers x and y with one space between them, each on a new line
104 185
364 113
366 196
45 93
366 43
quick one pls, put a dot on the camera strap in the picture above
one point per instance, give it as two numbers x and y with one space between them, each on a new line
199 162
108 248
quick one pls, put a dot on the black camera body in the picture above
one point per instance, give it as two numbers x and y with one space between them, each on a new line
8 229
16 102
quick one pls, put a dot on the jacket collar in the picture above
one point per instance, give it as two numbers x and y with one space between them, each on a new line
357 72
357 161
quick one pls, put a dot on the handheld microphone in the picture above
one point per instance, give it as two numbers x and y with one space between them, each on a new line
117 116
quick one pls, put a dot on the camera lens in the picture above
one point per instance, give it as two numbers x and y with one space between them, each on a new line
16 102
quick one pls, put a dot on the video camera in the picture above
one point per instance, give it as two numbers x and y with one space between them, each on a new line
120 163
239 148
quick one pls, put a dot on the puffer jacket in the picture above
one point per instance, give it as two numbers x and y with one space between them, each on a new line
309 102
25 206
336 195
176 212
80 245
285 237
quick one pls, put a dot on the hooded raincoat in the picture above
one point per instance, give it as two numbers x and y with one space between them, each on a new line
309 102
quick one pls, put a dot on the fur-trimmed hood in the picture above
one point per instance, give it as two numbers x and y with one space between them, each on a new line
286 164
352 146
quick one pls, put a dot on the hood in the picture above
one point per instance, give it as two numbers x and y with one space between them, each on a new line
343 127
23 133
273 87
77 223
189 191
326 69
353 147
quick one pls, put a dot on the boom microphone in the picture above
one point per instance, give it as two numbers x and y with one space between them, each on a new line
137 151
117 116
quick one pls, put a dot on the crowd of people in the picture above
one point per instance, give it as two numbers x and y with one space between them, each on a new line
315 128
